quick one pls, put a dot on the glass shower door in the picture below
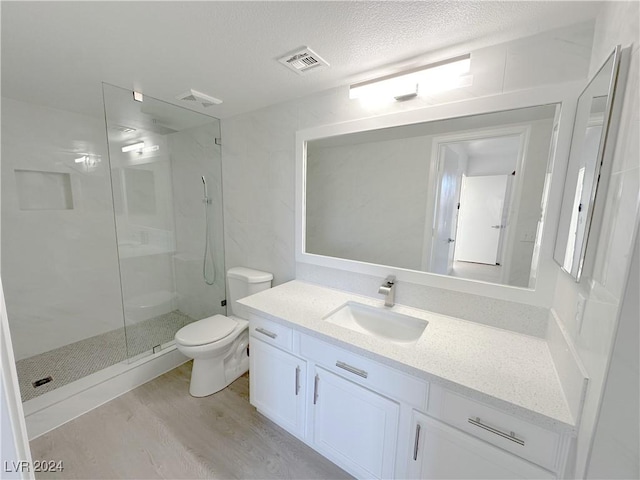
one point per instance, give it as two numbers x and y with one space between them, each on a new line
59 259
169 234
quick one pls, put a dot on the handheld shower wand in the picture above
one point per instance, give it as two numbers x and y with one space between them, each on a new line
208 249
206 200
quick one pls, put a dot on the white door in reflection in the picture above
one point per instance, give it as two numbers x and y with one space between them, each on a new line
449 181
480 219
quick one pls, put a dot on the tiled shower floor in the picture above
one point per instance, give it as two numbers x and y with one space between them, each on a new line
76 360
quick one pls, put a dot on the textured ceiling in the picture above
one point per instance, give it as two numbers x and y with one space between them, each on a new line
58 53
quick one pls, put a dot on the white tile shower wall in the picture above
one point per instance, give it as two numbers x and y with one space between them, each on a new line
259 151
602 288
59 266
194 154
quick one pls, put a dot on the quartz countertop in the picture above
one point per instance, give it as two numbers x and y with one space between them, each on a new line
511 371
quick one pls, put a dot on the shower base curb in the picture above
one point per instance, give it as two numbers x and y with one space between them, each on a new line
53 409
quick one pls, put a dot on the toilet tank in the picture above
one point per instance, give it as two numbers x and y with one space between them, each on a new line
243 282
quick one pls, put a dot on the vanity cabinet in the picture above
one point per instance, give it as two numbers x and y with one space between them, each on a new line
353 426
277 385
440 451
375 421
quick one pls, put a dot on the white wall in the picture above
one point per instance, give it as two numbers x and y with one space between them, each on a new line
367 201
59 267
616 444
609 253
259 167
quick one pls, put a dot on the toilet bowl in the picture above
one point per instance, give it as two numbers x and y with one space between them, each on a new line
218 344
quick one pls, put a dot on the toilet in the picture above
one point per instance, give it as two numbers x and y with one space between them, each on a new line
218 344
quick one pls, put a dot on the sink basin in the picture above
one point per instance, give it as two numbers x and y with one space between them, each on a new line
378 321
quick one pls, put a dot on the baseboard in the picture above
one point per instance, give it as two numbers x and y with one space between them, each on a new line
49 411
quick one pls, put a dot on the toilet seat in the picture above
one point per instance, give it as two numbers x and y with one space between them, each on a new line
207 330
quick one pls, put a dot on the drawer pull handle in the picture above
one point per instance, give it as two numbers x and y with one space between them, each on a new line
266 332
416 442
354 370
509 436
315 389
297 380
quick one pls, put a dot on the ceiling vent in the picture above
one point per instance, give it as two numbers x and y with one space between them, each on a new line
303 61
198 97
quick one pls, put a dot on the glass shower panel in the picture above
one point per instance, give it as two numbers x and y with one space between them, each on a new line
170 238
59 257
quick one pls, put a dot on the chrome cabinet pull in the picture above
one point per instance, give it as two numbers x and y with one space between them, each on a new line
266 332
416 442
315 389
354 370
509 436
297 380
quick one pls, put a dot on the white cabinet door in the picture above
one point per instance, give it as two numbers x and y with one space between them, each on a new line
443 452
353 426
277 385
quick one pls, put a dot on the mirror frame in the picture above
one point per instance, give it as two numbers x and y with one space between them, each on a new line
564 94
602 170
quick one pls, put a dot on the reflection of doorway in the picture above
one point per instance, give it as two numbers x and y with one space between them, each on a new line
450 168
471 235
480 225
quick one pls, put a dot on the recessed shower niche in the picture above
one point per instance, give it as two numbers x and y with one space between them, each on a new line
38 190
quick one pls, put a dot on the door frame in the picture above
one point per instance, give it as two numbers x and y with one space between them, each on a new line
524 131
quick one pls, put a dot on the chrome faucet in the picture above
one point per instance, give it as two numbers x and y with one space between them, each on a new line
388 289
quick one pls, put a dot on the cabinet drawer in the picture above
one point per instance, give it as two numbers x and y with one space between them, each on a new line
505 431
441 451
366 372
271 332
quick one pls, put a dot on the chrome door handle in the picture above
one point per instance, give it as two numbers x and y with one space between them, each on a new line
349 368
416 442
266 332
315 389
297 380
509 436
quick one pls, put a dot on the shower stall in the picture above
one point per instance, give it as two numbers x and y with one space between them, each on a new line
109 243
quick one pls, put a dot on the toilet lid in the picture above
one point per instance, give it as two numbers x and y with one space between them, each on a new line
205 331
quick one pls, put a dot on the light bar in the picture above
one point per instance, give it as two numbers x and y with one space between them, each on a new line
133 147
432 78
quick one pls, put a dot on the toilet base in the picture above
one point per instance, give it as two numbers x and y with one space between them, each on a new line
210 375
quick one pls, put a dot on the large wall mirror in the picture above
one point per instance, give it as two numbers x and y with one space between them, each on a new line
461 197
583 182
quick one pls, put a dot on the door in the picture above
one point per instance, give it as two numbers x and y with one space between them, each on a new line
480 219
277 385
446 214
442 452
354 427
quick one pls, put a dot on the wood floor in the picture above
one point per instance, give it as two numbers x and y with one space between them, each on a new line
159 431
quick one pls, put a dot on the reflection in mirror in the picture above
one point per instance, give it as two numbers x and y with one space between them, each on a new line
584 168
460 197
141 191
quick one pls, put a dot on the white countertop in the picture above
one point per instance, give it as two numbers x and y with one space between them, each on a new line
511 371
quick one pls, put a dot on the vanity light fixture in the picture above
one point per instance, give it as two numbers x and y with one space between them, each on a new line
152 148
133 147
432 78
